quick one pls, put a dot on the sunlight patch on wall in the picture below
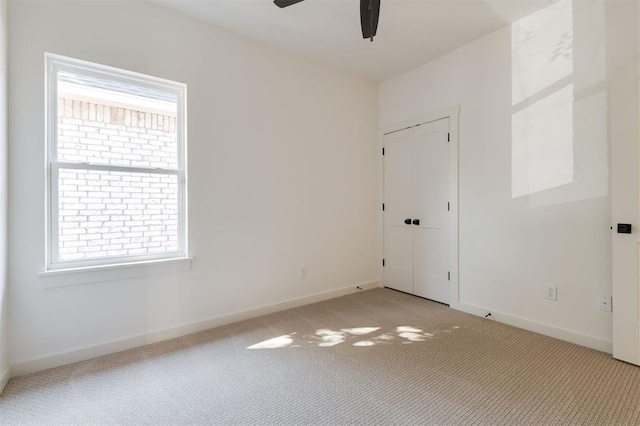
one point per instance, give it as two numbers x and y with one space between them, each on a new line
542 98
542 50
542 145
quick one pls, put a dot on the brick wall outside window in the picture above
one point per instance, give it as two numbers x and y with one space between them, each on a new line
108 213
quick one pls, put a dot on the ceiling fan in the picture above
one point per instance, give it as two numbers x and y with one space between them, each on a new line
369 15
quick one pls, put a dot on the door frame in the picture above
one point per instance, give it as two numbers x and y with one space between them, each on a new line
625 208
452 114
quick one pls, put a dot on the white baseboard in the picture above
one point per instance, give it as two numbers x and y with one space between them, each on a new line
586 340
4 377
33 365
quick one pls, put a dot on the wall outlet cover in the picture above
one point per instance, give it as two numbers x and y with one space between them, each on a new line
605 304
551 293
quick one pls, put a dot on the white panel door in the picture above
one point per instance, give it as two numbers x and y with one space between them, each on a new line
430 210
416 219
398 194
625 206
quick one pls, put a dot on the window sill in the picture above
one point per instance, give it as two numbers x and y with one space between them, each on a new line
95 274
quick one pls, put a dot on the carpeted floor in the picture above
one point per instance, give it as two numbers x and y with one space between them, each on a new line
374 357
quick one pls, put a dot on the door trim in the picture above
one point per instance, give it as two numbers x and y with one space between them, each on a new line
452 114
625 135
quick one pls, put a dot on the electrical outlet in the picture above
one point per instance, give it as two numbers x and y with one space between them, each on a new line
605 303
551 293
304 272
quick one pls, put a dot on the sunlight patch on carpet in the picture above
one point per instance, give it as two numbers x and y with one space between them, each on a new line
326 337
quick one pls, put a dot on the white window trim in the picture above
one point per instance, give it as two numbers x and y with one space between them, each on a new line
105 273
54 63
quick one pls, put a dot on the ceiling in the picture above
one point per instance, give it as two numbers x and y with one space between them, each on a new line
410 32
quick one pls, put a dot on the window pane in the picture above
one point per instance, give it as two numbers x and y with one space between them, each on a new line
108 122
105 214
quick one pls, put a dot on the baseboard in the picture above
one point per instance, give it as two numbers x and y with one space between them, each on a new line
33 365
4 377
586 340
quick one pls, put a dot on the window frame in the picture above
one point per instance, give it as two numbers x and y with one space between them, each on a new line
55 63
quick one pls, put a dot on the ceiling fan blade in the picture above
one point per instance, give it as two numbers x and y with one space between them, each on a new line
369 16
285 3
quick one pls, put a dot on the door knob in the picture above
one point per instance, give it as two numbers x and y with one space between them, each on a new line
407 221
416 221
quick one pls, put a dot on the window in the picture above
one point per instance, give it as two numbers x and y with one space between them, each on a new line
116 166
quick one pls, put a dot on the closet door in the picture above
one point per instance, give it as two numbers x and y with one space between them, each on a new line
416 215
431 210
398 200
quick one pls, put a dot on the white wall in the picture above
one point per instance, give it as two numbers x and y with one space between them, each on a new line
534 168
4 304
281 175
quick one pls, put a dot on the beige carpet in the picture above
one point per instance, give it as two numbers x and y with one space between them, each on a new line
375 357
